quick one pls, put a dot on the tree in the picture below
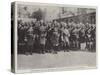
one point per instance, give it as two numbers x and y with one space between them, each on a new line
37 14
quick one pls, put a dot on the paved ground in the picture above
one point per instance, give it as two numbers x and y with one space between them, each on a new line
62 59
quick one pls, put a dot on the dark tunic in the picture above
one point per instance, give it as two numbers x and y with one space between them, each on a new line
55 37
82 36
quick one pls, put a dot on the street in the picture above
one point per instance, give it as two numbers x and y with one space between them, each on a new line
61 59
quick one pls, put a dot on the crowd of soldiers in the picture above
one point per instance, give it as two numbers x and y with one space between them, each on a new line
52 37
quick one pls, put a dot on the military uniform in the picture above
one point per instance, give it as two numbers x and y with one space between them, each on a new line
42 38
55 39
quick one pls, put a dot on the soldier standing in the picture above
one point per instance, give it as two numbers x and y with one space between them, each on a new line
65 37
42 36
55 37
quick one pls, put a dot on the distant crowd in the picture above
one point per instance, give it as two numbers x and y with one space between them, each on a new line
52 37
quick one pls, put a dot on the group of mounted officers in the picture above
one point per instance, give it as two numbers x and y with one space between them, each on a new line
52 37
